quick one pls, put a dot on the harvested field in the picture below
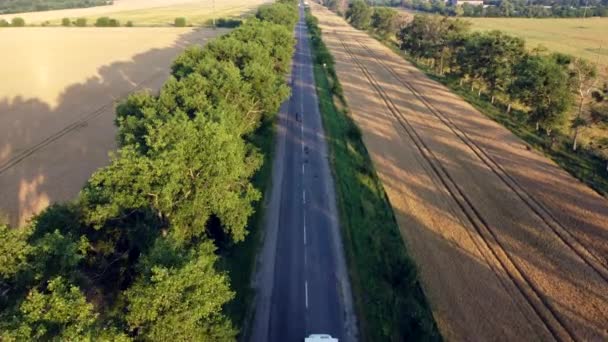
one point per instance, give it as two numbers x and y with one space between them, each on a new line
57 111
147 12
509 246
579 37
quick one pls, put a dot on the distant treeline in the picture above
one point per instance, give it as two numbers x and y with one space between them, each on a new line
17 6
496 8
136 256
554 91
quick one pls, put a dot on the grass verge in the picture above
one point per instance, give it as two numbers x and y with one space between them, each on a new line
582 164
388 298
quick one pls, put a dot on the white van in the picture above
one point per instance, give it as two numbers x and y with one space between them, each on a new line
320 338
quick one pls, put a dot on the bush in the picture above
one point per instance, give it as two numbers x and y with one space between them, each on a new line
107 22
18 22
66 22
129 24
80 22
102 22
4 23
180 22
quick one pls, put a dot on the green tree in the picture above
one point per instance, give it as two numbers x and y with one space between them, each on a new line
59 313
193 169
438 6
188 294
80 22
4 23
384 21
132 115
542 84
66 22
113 23
282 14
29 257
458 11
583 76
434 38
14 251
338 6
179 22
599 116
107 22
260 51
57 254
505 8
491 57
102 22
359 14
17 22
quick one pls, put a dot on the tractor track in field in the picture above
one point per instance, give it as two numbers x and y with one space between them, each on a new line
488 238
588 257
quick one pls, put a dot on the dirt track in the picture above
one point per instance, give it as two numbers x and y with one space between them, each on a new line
57 111
509 246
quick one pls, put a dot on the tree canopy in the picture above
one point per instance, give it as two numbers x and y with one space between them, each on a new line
135 256
384 21
359 14
542 84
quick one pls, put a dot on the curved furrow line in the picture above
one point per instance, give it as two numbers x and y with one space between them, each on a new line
588 257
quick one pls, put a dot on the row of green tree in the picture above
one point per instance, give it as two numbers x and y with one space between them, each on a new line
135 255
17 6
496 63
548 85
381 20
111 22
508 8
522 8
79 22
497 8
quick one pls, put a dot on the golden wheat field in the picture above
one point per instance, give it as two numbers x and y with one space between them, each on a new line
147 12
57 102
587 38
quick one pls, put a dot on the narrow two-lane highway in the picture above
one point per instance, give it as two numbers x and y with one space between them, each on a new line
302 282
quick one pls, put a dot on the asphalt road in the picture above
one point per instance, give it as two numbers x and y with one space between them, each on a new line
302 283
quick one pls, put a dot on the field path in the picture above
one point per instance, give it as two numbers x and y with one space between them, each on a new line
509 246
57 114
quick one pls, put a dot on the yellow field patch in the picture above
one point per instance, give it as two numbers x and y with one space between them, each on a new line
148 12
57 101
587 38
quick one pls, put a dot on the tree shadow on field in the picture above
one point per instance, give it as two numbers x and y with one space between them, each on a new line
48 153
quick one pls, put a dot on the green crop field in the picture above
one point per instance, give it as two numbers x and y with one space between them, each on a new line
587 38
